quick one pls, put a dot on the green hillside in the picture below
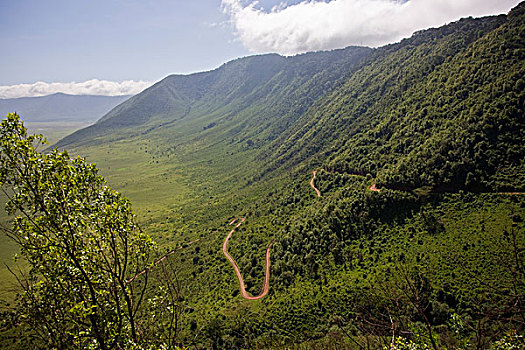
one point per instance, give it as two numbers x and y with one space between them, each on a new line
268 89
443 109
432 260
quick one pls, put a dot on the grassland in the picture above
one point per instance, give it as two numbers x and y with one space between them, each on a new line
436 248
55 131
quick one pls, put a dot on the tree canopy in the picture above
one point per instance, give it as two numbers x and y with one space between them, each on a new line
81 241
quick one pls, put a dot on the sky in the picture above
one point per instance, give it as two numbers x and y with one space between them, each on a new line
119 47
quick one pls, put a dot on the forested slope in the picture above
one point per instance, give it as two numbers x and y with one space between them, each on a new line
433 260
443 109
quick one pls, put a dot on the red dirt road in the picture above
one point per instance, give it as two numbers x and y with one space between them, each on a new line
266 284
373 188
312 184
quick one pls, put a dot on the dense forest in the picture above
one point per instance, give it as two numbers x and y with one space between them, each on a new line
415 241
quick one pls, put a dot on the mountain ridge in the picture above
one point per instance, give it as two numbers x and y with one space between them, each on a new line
322 105
236 84
61 107
389 180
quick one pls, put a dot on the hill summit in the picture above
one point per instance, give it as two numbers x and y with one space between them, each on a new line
442 109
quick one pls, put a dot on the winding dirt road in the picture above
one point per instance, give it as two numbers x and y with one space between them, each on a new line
266 284
373 188
312 184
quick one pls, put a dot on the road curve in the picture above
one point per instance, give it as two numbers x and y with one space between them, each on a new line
266 284
373 188
312 184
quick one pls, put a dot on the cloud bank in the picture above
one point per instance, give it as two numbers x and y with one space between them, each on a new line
313 25
90 87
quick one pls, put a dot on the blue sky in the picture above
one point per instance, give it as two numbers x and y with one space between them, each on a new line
55 41
111 39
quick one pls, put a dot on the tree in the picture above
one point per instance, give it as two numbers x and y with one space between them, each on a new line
81 242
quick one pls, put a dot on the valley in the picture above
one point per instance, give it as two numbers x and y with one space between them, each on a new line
59 115
411 226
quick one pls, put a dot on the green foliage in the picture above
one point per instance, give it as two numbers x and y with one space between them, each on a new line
433 260
510 341
81 242
442 110
260 95
407 344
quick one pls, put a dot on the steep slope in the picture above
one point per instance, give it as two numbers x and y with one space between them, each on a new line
351 268
443 110
261 87
61 107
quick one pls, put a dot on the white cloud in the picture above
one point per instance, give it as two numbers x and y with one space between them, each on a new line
90 87
313 25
